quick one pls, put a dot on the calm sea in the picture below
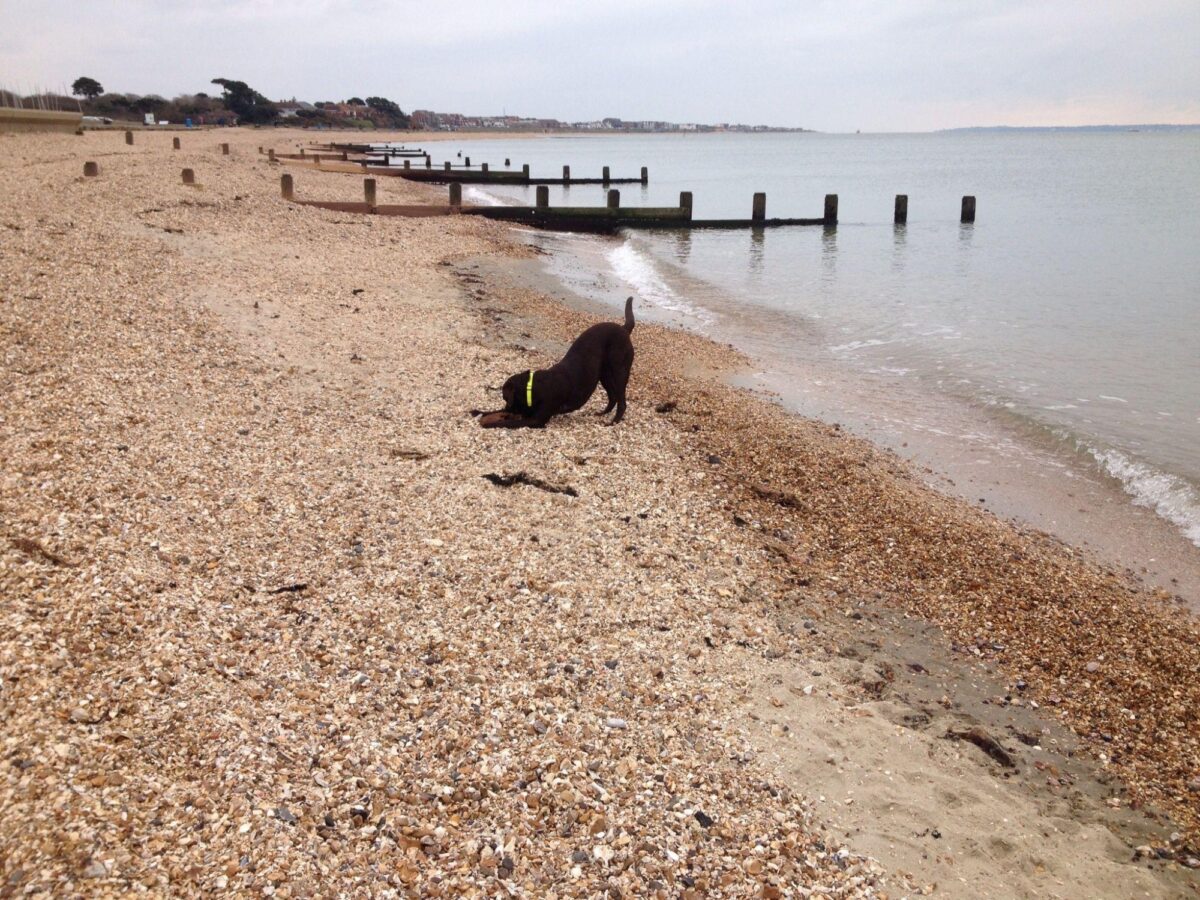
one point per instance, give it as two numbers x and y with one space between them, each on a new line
1064 325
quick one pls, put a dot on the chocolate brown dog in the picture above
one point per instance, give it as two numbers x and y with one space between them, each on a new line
601 355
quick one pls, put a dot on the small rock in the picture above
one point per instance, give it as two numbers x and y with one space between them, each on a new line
618 724
704 820
1093 666
285 815
1192 862
579 856
95 869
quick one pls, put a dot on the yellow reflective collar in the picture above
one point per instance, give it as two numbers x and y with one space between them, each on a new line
529 390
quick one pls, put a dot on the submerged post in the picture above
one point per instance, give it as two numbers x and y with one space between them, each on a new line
604 175
129 137
543 196
566 174
685 203
174 143
901 216
189 177
224 149
645 175
968 210
90 170
614 199
369 191
831 204
286 188
758 211
456 194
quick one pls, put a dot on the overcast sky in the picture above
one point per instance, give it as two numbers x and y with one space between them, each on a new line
840 65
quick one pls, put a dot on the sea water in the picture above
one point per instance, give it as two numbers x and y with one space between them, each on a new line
1064 325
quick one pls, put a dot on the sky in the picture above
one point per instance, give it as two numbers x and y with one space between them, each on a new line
830 65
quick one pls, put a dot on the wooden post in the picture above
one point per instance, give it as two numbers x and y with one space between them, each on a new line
129 137
645 175
901 217
428 162
345 156
758 210
968 210
566 174
604 175
507 162
484 168
369 192
224 149
302 151
271 154
447 167
286 188
406 165
831 209
189 177
456 194
543 196
467 161
90 170
685 203
174 143
525 170
614 199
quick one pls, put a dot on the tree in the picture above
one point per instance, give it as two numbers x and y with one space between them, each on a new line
355 101
390 112
245 102
87 87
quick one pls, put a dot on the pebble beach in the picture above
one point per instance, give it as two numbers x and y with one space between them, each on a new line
278 620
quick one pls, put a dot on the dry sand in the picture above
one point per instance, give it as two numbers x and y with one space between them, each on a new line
268 629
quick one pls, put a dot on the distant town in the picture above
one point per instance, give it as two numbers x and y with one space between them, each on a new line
434 121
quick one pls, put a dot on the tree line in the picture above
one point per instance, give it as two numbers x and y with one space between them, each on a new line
237 103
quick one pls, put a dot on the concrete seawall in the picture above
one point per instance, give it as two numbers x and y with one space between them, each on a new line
13 119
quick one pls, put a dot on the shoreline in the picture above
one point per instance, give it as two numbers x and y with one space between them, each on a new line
281 449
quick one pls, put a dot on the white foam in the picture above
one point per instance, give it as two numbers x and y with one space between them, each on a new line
638 271
478 196
1171 497
859 345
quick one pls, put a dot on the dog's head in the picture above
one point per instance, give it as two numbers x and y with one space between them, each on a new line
514 392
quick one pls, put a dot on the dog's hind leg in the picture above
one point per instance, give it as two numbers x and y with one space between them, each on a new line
615 381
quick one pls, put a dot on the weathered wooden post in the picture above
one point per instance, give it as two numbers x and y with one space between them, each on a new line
467 162
447 166
129 137
271 154
566 174
369 192
645 175
189 177
614 199
831 204
224 149
428 162
543 196
968 210
456 194
685 203
525 170
484 168
345 156
90 170
507 162
758 210
406 166
901 217
604 175
286 188
174 143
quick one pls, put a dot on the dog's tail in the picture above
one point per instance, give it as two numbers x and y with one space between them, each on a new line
629 315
